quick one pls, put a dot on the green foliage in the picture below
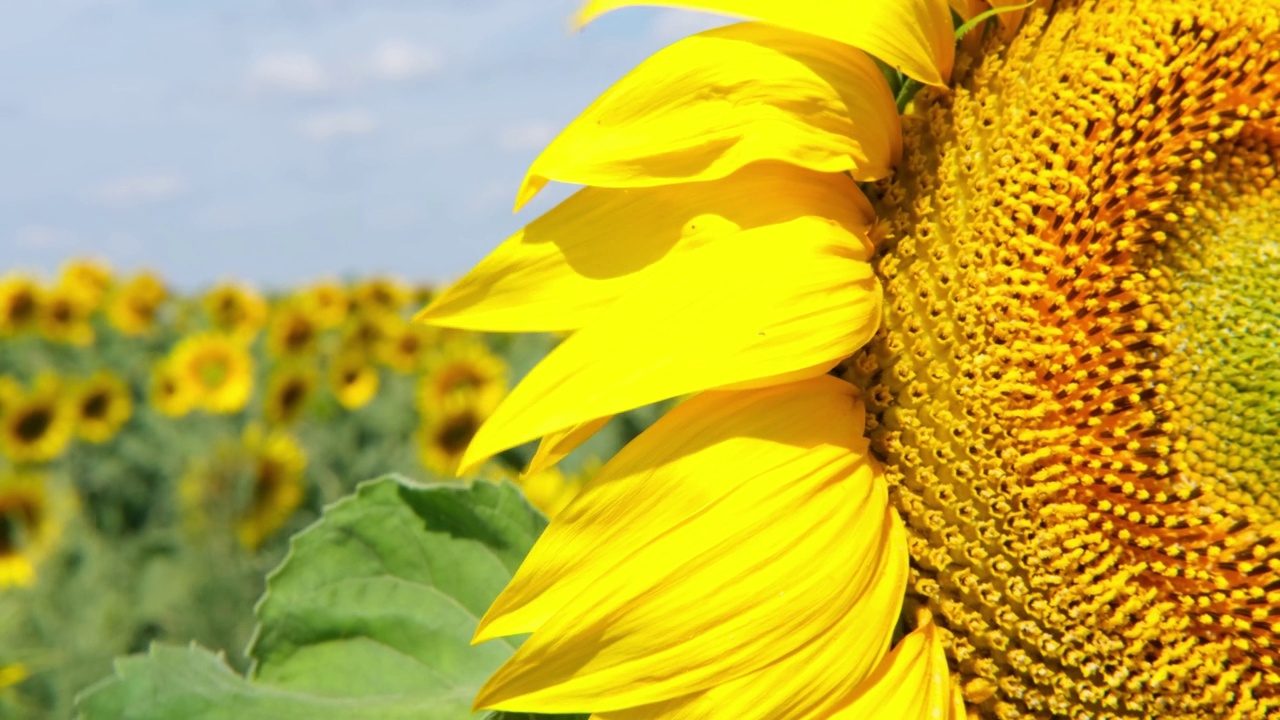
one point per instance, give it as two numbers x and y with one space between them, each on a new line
369 616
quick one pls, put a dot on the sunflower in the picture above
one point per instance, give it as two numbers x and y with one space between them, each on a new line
32 516
64 316
550 489
172 393
353 379
103 404
462 365
218 369
404 345
288 390
36 426
1016 393
235 309
20 300
448 427
278 463
293 333
136 305
13 673
88 280
10 391
380 296
326 302
365 334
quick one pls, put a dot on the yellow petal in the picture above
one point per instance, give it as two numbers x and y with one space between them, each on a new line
912 683
731 534
810 683
717 101
556 445
762 303
914 36
564 268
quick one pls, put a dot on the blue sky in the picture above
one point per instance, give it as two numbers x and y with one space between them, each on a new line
283 140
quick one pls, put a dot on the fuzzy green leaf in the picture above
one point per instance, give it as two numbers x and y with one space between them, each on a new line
370 616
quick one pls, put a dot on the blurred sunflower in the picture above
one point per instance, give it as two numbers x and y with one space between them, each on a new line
20 301
293 333
103 404
326 302
10 391
380 296
88 280
550 489
32 518
36 426
65 317
462 365
404 346
353 379
135 307
446 430
218 368
236 309
278 463
289 389
13 673
1054 331
365 334
171 392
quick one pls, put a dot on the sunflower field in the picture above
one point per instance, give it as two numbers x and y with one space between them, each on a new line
158 450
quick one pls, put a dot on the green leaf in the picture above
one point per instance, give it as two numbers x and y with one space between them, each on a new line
370 616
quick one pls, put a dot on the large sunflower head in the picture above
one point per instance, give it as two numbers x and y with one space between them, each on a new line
135 308
103 404
1053 326
289 390
217 368
36 426
277 464
236 309
20 302
32 516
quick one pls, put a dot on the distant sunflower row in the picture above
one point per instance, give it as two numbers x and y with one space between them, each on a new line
38 421
291 387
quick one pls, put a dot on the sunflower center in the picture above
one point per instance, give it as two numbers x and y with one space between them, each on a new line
456 433
212 372
298 336
22 308
1072 391
1225 310
292 395
95 406
33 424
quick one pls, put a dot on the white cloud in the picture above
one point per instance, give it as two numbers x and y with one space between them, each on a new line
397 59
329 125
671 25
292 72
528 135
139 189
42 237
